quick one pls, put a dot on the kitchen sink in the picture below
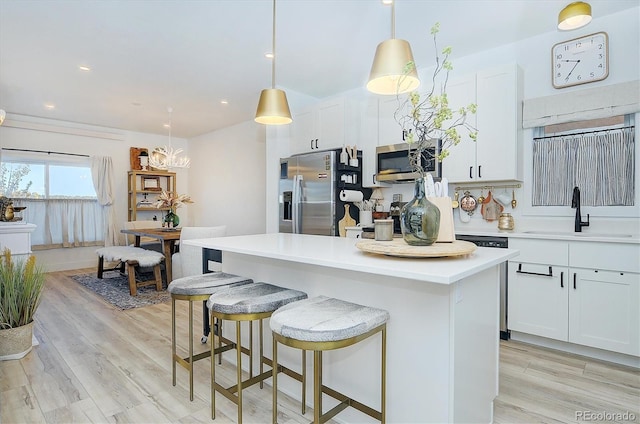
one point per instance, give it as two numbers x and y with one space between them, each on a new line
571 233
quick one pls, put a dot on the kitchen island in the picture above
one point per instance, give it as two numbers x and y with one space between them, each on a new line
442 336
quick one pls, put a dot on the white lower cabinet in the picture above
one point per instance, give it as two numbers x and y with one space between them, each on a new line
538 301
603 310
596 306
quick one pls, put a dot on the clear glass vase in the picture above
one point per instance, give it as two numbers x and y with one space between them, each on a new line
420 219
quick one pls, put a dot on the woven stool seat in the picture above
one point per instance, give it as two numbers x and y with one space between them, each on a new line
192 289
324 319
322 324
248 302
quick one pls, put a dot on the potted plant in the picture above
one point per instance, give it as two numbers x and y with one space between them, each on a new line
425 118
21 285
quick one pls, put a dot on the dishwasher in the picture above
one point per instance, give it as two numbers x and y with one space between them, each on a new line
499 243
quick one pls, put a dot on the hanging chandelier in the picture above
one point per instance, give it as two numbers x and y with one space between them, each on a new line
166 157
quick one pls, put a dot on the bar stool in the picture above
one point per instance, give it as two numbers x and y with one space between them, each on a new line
249 302
322 323
193 289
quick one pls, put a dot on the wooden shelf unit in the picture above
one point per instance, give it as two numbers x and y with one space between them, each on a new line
161 180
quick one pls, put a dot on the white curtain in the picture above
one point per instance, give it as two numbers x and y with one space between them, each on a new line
102 174
63 222
600 163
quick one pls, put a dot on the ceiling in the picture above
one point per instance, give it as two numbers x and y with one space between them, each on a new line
146 55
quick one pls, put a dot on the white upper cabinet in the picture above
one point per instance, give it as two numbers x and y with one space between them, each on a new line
328 125
390 131
497 154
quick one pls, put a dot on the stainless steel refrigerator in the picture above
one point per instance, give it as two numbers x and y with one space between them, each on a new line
308 191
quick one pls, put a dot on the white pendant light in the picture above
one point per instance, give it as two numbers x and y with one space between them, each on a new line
575 15
393 70
166 157
273 108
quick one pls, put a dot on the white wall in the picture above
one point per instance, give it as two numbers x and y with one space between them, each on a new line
70 137
227 179
534 57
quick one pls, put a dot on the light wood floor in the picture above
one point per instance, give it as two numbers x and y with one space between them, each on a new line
99 364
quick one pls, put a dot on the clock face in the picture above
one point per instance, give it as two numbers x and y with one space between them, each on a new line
581 60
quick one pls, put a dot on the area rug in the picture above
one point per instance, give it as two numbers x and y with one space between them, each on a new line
114 288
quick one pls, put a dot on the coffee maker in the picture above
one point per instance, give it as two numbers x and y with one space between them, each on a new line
394 213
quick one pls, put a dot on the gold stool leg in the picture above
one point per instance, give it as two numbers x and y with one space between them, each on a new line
274 370
239 370
250 349
173 338
383 408
219 338
213 375
191 350
304 381
261 353
317 385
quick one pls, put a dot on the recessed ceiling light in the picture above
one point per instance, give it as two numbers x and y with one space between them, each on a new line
84 68
49 106
268 55
387 2
166 125
224 102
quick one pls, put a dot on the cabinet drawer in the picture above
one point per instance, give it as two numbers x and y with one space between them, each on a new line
546 252
608 256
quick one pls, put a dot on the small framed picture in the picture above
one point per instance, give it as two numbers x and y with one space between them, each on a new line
151 183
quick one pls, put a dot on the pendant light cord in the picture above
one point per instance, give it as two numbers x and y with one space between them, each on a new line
393 19
273 48
170 110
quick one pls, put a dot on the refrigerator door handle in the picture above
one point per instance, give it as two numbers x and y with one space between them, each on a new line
297 202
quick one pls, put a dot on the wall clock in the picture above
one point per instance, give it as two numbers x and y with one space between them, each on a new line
580 61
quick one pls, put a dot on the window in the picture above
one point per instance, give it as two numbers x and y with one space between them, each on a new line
600 161
59 195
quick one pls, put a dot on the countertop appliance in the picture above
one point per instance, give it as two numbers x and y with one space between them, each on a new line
500 243
309 193
394 213
393 162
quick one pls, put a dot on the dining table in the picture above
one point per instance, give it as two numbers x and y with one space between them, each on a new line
168 238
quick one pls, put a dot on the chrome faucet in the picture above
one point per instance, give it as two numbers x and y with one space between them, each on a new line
575 203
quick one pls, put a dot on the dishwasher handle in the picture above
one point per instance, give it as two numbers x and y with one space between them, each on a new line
520 271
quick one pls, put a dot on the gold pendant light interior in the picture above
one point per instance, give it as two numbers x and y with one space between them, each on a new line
575 15
393 70
273 108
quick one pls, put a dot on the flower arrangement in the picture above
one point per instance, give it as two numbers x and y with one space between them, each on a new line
428 117
171 200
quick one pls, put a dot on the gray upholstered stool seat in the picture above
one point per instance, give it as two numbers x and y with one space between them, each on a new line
248 302
252 299
131 257
196 288
323 323
204 284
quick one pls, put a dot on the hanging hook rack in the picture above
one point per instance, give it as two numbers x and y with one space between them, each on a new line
489 187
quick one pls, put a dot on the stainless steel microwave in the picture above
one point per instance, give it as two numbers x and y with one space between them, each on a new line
393 162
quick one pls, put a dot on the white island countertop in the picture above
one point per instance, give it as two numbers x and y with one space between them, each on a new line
341 253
